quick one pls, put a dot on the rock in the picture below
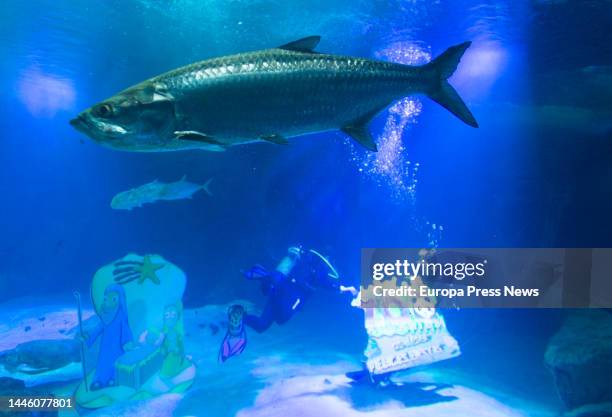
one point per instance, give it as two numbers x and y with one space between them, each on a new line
10 387
579 356
591 410
10 384
41 355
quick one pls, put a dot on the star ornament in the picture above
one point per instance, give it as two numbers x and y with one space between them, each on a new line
148 270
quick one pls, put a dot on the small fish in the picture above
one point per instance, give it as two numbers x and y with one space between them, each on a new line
266 96
155 191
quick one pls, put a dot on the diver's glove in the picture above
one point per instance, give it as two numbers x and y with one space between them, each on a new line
352 290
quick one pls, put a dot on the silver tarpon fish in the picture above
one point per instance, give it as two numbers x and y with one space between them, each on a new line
155 191
266 95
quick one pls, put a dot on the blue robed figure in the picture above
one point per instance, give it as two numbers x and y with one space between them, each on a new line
115 331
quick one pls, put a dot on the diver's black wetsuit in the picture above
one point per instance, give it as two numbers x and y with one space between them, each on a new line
297 276
288 292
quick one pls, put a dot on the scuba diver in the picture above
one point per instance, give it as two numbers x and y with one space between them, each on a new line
298 275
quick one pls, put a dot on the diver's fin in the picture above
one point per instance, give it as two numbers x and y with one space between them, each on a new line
274 138
206 185
195 136
361 134
307 44
443 93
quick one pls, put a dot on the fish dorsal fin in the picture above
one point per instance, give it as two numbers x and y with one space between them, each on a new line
307 44
183 178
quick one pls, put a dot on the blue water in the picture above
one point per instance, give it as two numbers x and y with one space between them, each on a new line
537 173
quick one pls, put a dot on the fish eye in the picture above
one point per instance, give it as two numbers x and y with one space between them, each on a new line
103 110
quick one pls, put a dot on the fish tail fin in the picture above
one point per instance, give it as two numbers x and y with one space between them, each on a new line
442 92
206 186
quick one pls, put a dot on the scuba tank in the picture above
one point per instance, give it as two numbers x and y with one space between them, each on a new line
315 271
305 268
286 265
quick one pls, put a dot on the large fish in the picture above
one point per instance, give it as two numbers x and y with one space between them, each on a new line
266 95
155 191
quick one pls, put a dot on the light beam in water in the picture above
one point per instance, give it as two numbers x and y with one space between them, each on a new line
480 68
44 95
